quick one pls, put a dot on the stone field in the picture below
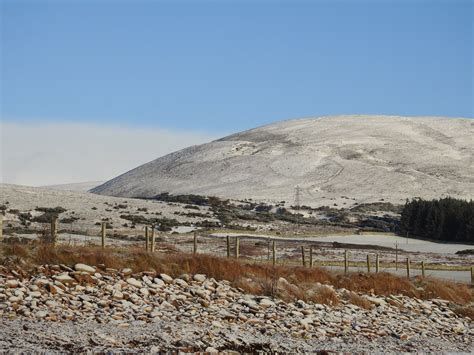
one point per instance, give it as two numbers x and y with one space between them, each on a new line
81 308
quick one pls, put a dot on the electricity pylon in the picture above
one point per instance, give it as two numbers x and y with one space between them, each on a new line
297 206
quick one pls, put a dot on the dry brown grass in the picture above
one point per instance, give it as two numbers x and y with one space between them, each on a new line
16 249
324 295
379 283
252 249
256 278
45 254
253 287
465 311
456 292
360 301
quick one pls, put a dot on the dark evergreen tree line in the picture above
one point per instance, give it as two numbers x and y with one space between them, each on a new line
447 219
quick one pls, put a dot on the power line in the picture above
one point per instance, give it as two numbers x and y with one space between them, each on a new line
297 206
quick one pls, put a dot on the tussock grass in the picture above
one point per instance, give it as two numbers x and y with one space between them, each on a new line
382 283
447 290
16 250
359 301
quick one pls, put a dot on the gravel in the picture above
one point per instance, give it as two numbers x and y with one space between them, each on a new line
108 311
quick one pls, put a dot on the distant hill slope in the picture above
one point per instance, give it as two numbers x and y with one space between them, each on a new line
75 186
339 159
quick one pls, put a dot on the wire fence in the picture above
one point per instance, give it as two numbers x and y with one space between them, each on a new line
258 249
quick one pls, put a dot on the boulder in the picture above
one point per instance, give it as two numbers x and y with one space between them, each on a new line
199 277
134 282
64 278
12 283
85 268
265 303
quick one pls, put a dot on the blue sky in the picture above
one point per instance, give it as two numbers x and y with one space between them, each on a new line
224 66
90 89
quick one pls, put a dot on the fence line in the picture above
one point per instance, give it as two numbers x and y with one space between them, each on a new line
150 244
103 234
237 247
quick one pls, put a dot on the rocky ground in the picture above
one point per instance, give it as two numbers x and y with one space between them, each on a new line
84 308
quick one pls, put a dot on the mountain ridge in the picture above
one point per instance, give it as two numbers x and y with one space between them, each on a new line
335 159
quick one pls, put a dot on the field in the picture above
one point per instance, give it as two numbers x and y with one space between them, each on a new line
195 292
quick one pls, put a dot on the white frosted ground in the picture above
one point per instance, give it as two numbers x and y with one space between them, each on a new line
384 240
335 160
407 244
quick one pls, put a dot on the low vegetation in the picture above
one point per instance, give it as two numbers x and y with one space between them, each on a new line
231 214
162 224
191 199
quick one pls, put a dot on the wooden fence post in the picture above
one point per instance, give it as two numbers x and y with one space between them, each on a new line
146 238
408 267
152 237
311 256
237 247
302 256
346 262
423 269
368 263
54 230
103 233
472 274
195 243
396 256
274 257
1 228
228 246
377 264
268 249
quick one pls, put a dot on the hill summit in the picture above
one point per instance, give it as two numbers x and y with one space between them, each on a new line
334 160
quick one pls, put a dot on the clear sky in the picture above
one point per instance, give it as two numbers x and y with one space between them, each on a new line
217 67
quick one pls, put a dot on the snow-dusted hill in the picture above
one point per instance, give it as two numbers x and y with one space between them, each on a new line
340 159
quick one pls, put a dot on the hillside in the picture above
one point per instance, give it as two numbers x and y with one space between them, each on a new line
335 160
78 186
